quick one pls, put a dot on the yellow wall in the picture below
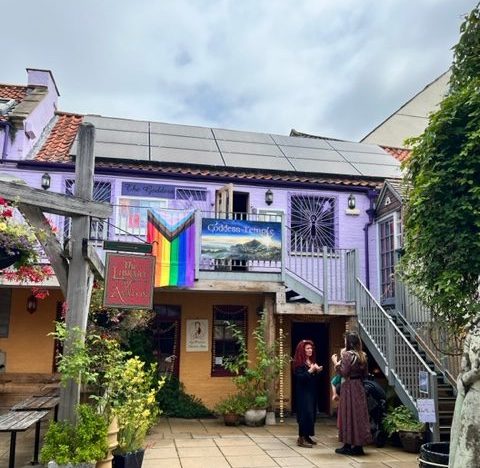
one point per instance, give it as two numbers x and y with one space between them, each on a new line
28 348
195 367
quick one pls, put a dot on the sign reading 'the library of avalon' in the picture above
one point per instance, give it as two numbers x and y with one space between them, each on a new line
129 281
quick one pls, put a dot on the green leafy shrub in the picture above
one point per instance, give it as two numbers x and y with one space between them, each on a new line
133 402
176 403
232 404
84 443
401 419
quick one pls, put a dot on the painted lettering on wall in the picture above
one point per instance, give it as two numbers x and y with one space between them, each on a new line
142 189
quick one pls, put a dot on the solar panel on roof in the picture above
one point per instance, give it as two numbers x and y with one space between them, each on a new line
311 153
234 135
185 156
300 142
122 137
249 161
370 158
120 151
378 170
352 146
181 130
171 141
249 148
109 123
324 167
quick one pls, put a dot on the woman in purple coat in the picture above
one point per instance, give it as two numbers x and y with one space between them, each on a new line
353 420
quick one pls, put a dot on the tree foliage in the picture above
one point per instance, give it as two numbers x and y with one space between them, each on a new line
442 210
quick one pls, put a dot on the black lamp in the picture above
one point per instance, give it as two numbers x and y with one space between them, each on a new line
31 304
268 197
46 181
351 202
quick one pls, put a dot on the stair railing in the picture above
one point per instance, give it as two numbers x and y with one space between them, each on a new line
398 359
418 320
329 272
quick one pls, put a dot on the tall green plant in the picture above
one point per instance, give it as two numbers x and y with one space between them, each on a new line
253 378
442 215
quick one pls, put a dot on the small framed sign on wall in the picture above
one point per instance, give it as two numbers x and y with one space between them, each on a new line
197 335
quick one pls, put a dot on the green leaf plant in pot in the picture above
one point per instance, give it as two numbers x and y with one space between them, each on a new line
134 403
255 377
76 446
232 408
402 422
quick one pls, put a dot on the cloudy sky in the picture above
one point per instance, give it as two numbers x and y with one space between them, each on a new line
335 68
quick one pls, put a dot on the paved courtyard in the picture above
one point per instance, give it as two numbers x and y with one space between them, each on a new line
207 443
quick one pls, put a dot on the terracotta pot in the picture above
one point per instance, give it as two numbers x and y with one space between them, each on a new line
231 419
112 444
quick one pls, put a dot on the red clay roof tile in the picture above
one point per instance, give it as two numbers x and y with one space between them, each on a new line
398 153
58 143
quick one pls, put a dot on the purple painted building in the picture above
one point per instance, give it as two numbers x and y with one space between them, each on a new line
322 192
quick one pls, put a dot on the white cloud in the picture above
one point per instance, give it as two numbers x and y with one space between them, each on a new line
335 68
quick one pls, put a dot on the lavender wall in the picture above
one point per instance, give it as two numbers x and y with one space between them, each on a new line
38 119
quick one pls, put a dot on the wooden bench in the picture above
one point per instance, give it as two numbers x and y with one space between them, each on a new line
20 421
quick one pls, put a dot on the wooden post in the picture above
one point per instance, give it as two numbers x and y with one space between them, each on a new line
80 277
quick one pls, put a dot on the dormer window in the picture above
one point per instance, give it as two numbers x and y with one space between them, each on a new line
6 105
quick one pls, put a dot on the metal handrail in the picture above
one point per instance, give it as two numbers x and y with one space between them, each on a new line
399 360
418 320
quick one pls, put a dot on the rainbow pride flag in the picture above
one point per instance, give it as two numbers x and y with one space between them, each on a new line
172 235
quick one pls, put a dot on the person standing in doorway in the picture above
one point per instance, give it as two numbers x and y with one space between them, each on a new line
353 420
305 371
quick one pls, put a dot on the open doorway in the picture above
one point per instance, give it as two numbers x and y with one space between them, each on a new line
318 333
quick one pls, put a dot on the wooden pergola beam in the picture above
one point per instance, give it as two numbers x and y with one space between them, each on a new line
52 202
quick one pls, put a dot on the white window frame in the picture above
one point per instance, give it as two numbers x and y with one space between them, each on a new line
396 245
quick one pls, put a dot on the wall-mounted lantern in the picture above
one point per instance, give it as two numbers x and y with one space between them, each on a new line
32 304
268 197
46 179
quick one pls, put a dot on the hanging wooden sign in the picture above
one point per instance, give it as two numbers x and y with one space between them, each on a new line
129 281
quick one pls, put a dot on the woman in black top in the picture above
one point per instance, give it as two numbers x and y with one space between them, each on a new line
305 374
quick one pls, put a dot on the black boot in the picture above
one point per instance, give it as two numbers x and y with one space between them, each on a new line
303 442
357 450
310 440
345 450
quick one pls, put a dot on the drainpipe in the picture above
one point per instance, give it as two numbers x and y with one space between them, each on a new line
372 195
5 125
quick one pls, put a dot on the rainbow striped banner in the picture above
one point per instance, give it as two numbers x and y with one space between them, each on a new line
173 242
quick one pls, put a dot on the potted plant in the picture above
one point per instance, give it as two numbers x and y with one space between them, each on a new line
254 378
403 422
133 402
232 408
76 446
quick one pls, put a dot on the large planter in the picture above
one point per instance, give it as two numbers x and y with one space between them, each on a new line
112 444
434 455
53 464
411 440
129 460
255 417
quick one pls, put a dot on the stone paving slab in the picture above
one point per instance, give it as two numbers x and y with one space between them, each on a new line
176 443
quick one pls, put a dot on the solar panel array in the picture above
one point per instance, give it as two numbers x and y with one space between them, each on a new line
134 140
